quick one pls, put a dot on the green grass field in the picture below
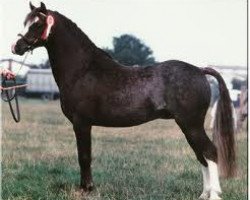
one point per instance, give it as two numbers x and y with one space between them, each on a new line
151 161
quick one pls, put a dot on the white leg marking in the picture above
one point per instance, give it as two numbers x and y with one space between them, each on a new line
206 183
215 188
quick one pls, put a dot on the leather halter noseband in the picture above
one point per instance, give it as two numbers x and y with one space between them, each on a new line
28 41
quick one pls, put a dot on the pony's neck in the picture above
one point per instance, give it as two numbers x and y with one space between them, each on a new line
70 50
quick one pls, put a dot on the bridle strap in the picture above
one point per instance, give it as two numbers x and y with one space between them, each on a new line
27 40
40 13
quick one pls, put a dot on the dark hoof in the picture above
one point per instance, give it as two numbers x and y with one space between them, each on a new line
88 187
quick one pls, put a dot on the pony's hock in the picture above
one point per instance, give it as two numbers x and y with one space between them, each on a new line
96 90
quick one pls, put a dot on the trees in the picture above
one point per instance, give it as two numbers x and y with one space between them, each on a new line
237 83
129 50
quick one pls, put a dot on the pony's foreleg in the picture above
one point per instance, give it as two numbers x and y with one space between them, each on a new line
83 140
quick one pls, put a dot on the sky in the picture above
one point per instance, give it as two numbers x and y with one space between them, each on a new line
201 32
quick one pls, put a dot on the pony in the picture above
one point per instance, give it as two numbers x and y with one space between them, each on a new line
95 90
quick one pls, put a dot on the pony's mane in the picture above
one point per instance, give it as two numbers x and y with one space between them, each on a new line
81 36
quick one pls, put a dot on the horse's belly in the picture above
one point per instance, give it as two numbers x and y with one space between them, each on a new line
122 110
120 118
119 122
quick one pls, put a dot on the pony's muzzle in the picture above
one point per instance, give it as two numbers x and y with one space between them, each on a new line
19 48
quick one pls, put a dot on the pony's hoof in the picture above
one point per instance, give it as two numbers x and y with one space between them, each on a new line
214 196
87 188
204 196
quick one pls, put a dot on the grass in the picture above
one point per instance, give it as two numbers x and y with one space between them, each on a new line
151 161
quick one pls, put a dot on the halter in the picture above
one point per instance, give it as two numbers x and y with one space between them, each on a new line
28 41
49 23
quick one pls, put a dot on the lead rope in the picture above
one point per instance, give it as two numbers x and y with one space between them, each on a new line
25 57
16 115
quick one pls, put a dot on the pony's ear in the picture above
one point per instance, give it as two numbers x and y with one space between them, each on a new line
31 6
43 8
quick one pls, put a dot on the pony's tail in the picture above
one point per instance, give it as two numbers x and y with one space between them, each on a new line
223 136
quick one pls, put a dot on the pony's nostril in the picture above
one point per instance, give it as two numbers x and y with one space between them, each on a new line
13 48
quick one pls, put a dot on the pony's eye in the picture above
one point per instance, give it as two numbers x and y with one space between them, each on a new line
33 27
39 25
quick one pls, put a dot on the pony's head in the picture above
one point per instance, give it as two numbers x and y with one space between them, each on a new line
37 27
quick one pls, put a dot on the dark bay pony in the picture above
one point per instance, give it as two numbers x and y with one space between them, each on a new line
95 90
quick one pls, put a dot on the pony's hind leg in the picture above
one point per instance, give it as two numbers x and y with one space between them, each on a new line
211 184
206 153
215 188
